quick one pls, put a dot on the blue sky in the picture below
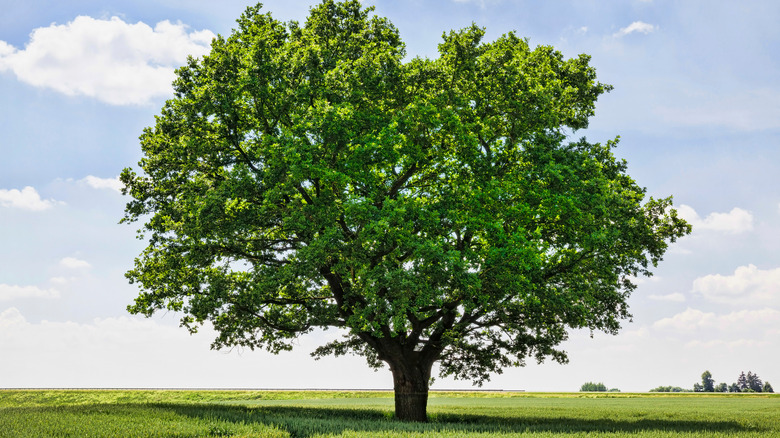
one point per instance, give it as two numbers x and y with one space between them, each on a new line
696 103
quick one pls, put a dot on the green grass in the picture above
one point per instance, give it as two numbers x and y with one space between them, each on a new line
319 414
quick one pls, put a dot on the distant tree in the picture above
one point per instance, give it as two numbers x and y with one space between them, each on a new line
734 388
669 389
614 390
742 382
707 382
722 387
767 387
754 382
698 388
593 387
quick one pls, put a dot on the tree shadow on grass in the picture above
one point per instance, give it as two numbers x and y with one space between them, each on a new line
304 421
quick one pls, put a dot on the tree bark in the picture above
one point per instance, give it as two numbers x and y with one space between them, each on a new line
410 383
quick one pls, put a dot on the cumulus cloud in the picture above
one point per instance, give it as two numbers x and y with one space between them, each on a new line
689 320
74 263
103 183
735 221
748 285
10 292
637 26
116 62
11 317
25 199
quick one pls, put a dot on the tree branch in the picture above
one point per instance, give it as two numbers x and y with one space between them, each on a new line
398 183
304 194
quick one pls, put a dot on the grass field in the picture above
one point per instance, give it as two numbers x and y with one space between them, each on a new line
126 413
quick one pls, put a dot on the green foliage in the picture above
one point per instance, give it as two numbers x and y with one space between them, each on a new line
742 382
591 386
669 389
767 387
305 177
707 382
322 414
748 383
754 382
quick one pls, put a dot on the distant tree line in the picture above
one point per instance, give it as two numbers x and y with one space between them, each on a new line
596 387
749 382
670 389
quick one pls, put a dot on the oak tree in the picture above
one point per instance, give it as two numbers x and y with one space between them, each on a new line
307 176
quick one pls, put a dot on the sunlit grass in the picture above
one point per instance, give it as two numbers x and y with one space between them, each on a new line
103 413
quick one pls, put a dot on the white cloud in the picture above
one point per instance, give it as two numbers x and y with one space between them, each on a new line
103 183
74 263
11 317
675 297
736 344
110 60
748 285
637 26
25 199
689 320
62 280
10 292
5 51
720 326
735 221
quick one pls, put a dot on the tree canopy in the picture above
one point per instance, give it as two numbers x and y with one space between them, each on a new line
307 176
707 382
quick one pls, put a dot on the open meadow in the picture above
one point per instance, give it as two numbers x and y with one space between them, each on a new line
310 414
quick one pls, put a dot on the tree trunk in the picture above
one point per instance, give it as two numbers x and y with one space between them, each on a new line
410 383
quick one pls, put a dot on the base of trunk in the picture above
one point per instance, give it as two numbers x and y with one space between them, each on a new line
411 406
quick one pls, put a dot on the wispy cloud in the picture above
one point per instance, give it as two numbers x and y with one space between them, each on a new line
25 199
116 62
10 292
636 27
674 297
744 320
74 263
735 221
102 183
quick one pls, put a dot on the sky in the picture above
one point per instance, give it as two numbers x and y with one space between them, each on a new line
696 102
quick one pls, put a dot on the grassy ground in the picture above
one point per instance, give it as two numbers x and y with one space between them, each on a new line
121 413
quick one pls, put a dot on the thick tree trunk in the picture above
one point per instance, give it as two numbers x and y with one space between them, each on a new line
410 383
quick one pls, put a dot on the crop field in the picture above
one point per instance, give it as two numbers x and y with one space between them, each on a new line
319 414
